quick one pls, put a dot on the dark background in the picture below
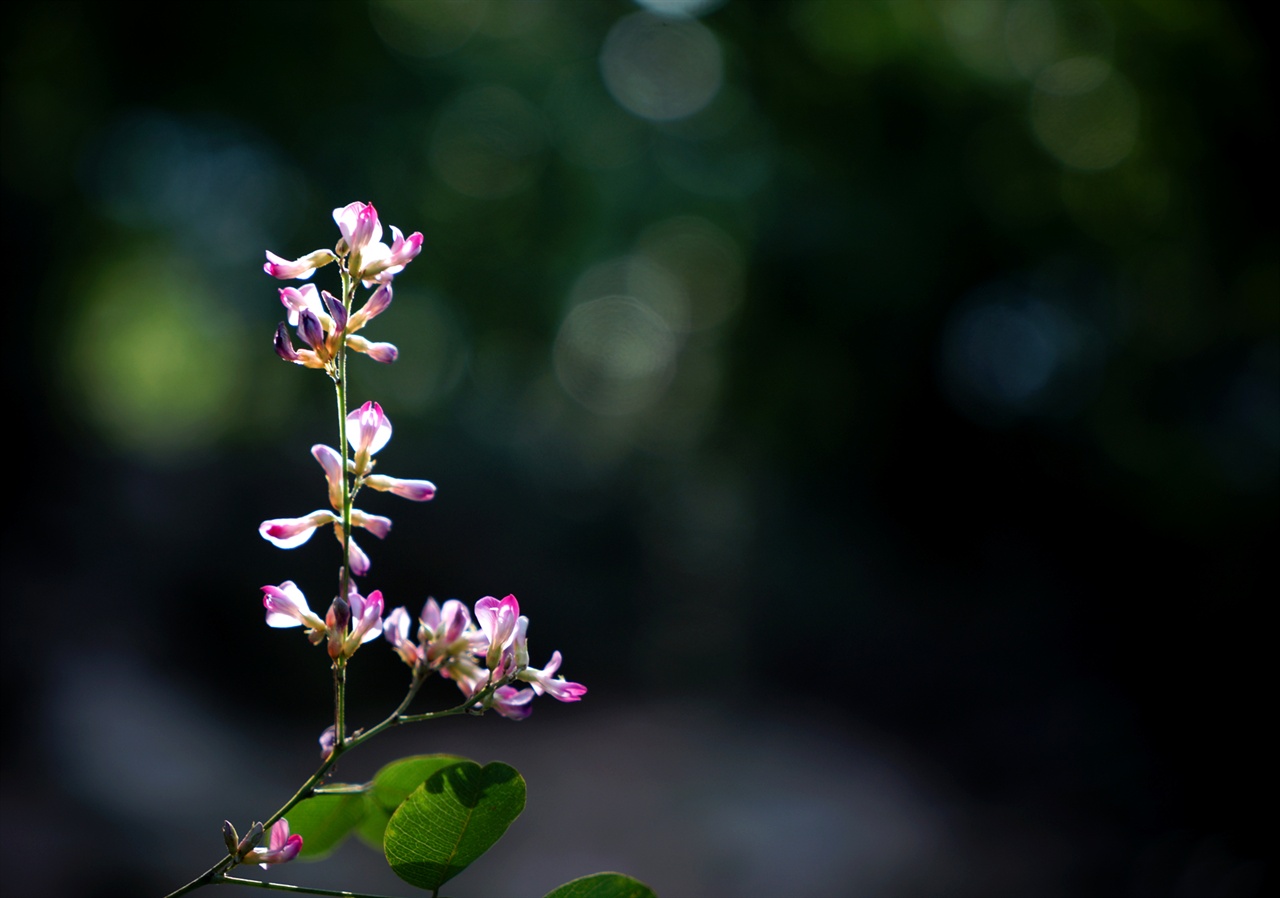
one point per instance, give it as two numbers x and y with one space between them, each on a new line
903 485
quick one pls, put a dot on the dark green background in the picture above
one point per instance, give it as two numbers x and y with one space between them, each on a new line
969 465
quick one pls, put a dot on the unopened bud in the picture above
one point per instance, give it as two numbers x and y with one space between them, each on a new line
283 345
231 837
337 311
250 841
310 329
336 622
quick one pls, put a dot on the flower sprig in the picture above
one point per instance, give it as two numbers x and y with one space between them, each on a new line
485 654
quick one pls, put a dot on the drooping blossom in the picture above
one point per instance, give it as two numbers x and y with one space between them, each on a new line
512 703
331 461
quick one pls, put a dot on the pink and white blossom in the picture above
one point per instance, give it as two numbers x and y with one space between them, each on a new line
366 621
359 560
359 225
374 306
386 353
368 430
395 630
332 463
288 533
511 702
381 268
287 607
498 621
376 524
297 269
558 688
417 490
301 299
283 847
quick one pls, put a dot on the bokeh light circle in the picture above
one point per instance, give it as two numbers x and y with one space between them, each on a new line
1085 114
659 69
614 355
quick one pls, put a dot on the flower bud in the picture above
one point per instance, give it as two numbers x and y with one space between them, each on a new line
337 311
336 623
310 329
250 841
283 345
231 837
327 740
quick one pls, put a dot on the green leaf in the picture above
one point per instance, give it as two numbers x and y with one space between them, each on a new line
325 820
603 885
450 820
391 786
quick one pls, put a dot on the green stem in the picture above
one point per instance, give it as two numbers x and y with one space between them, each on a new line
303 890
339 701
348 294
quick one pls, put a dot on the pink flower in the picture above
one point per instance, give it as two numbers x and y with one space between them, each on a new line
386 353
366 621
287 607
301 299
368 430
382 268
370 259
374 523
299 269
557 688
327 740
374 306
498 621
395 630
288 533
331 461
359 225
359 560
417 490
284 847
512 703
447 632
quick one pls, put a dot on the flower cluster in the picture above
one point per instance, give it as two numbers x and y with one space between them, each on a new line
323 322
486 657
